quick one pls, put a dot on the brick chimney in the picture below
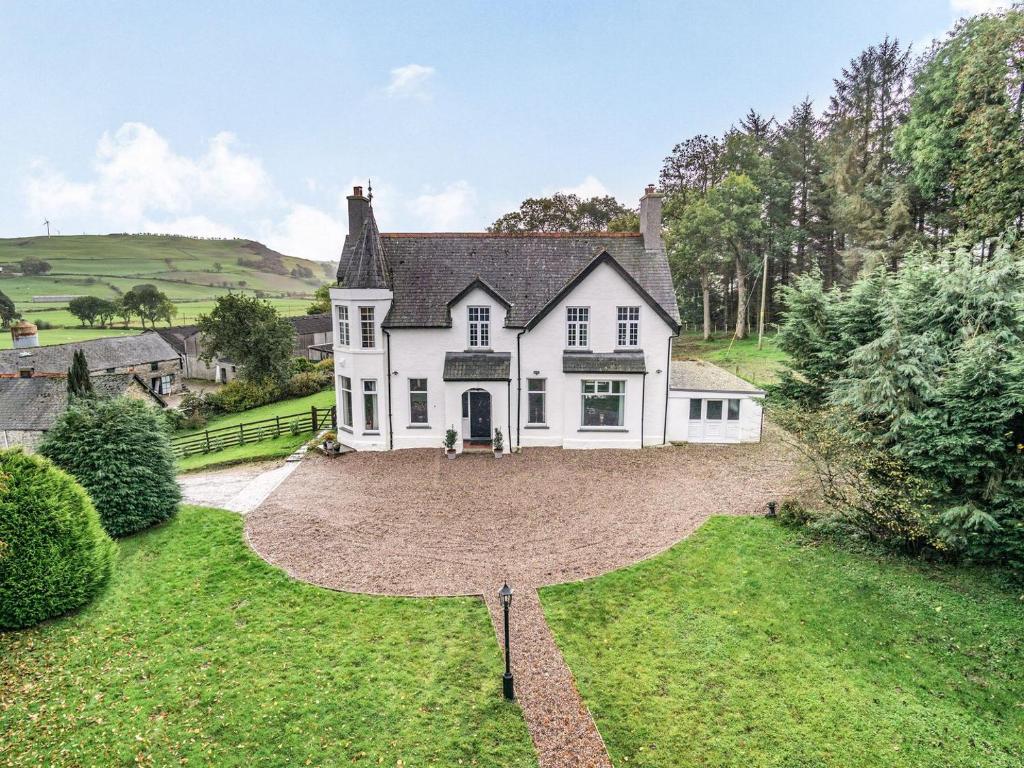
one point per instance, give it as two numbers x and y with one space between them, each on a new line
650 219
358 210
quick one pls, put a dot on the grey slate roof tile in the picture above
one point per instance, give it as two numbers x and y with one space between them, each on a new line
100 354
696 375
603 362
34 404
426 271
477 366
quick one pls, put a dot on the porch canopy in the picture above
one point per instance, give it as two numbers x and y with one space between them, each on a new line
477 366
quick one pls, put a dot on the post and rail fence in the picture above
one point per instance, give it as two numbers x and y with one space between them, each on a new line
209 440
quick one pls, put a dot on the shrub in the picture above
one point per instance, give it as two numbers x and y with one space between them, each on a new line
300 365
326 365
54 554
240 395
794 513
304 384
120 450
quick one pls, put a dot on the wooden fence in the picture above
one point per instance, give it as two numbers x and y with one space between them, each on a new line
218 439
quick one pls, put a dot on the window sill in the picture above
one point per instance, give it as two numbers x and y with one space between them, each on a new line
345 429
577 349
371 432
418 426
479 349
602 429
535 426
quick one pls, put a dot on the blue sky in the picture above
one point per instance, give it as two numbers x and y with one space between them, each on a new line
255 119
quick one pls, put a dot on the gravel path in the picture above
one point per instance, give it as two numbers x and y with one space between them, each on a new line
415 523
240 488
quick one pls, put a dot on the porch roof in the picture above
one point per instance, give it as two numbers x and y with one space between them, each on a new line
603 362
477 366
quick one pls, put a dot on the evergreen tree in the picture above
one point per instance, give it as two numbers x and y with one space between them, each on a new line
79 382
8 312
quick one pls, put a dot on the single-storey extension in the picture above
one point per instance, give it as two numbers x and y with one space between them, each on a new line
707 404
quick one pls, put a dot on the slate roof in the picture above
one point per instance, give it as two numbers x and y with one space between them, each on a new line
603 362
477 366
696 375
34 404
176 335
528 270
304 324
100 354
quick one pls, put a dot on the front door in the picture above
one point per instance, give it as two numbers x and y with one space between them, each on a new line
480 416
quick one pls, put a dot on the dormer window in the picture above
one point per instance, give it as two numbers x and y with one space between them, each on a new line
479 327
577 327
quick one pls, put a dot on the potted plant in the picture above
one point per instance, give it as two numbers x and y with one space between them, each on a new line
498 443
330 442
450 436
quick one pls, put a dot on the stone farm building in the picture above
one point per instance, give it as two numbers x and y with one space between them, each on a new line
146 354
312 341
29 406
556 339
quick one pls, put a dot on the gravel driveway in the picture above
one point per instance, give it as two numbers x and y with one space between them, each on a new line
412 522
415 523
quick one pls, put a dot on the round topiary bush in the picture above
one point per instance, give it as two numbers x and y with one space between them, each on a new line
54 554
120 451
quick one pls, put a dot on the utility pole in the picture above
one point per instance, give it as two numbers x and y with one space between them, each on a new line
764 296
46 223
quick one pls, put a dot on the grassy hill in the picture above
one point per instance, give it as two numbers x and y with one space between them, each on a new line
192 272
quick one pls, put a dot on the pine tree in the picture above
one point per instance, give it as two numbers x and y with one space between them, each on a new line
79 382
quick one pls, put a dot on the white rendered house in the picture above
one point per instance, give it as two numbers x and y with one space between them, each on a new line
556 339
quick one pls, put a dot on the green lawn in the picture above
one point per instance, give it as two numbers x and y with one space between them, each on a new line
746 645
199 653
743 358
264 449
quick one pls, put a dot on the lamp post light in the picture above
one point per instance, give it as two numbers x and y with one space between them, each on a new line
505 595
771 509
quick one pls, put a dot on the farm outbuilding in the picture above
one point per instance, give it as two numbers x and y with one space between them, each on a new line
707 404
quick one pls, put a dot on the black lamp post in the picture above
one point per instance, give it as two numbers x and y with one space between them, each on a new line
505 595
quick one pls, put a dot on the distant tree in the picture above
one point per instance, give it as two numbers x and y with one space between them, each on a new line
695 246
561 213
8 312
124 311
148 303
79 382
251 333
85 308
625 222
693 167
35 266
218 267
106 312
321 300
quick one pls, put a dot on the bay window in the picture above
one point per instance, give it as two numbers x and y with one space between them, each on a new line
604 403
343 335
346 401
370 405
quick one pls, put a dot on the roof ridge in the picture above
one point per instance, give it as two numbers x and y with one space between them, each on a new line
567 235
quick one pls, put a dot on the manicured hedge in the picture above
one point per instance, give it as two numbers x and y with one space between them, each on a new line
54 554
120 451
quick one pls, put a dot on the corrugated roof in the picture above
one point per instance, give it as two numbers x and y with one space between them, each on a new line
100 354
603 362
477 366
697 375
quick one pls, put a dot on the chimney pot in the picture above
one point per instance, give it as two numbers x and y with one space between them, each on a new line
649 190
357 191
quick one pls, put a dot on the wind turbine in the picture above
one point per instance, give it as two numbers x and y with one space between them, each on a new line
46 223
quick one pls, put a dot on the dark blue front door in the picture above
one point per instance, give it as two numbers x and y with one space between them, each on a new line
480 416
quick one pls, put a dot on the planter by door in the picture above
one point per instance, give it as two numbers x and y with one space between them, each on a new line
480 416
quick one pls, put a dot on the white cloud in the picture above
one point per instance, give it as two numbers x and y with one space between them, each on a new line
448 210
307 232
591 186
140 184
972 7
410 81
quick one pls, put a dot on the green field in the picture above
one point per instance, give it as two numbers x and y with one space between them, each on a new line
199 653
749 645
743 358
184 268
273 448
